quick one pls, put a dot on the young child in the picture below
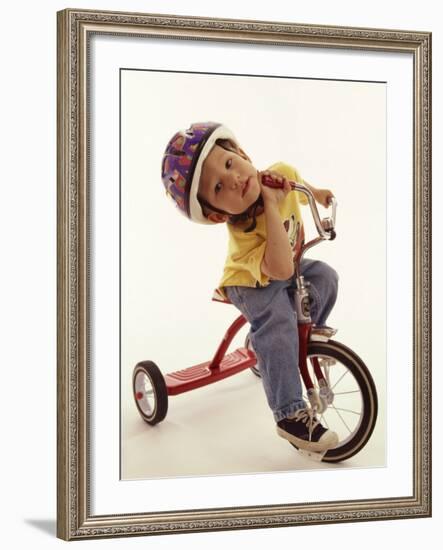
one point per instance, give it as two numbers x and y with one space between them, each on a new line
212 180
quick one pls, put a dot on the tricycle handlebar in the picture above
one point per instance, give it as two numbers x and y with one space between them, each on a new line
325 227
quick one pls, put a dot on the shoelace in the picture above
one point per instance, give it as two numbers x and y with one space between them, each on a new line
307 416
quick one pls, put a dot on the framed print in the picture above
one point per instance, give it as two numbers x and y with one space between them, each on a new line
166 401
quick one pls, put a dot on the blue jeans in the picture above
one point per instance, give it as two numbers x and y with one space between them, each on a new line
274 336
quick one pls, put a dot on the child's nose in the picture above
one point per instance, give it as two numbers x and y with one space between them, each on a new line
235 181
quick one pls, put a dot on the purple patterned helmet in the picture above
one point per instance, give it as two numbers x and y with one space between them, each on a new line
182 165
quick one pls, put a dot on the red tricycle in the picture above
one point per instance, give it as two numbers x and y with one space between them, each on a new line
338 385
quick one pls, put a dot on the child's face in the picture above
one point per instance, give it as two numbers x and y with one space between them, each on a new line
229 182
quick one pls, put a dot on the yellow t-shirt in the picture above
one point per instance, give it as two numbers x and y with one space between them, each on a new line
246 250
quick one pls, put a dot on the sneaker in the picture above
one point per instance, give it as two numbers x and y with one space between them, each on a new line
304 431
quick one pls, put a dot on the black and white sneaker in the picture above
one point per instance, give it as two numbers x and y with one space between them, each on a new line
304 430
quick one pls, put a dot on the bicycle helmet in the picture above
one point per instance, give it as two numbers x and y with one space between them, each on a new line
182 164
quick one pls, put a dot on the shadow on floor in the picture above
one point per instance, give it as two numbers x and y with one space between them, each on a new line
48 526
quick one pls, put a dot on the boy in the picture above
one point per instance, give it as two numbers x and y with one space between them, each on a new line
212 180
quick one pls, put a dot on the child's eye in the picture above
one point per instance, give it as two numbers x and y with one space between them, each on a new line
217 187
229 163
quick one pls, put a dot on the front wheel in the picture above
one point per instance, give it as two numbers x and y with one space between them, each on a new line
352 402
150 392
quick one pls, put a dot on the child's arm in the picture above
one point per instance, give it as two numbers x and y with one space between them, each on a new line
277 262
322 196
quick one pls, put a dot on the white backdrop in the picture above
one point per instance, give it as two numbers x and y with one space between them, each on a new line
334 132
28 274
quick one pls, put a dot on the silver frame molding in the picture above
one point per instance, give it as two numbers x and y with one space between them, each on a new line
74 519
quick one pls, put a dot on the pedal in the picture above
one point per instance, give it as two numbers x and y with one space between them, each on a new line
312 455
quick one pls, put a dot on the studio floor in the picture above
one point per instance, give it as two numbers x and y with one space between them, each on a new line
224 428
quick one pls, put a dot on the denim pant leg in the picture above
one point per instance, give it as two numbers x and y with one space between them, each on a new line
323 288
274 338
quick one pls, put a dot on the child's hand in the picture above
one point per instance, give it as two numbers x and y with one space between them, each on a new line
274 194
322 196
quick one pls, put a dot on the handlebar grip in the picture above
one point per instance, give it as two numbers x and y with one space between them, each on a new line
269 181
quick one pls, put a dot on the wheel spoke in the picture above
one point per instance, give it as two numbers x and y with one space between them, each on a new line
346 392
323 419
340 379
342 419
358 413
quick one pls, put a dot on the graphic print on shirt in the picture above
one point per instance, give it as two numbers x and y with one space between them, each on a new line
295 232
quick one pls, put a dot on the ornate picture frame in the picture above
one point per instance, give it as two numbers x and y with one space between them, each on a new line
77 517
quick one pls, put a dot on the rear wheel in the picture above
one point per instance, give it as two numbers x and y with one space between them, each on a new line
150 392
